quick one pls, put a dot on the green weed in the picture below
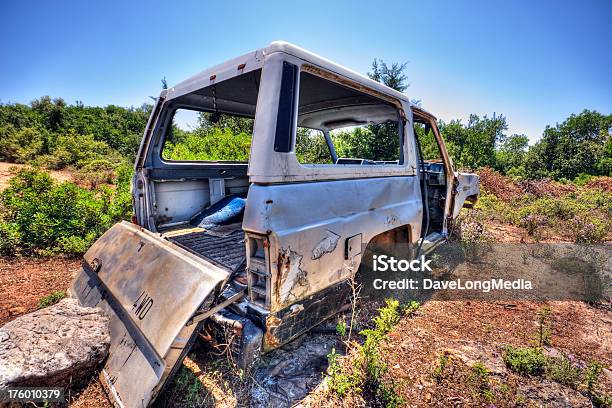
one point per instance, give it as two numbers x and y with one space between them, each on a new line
51 299
440 367
479 382
591 375
543 336
561 370
187 384
341 328
342 380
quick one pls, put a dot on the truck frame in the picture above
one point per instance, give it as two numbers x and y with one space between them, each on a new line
263 248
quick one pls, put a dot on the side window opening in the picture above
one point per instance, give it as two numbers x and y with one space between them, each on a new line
311 147
343 126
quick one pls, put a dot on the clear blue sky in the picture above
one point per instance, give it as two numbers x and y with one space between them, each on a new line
534 61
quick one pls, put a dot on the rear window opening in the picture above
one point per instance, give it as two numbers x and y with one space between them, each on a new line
214 123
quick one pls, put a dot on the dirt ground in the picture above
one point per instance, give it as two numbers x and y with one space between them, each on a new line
24 281
470 332
6 173
465 331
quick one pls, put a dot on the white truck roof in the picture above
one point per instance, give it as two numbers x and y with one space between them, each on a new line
255 59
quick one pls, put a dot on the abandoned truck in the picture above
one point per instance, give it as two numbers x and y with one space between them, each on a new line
261 249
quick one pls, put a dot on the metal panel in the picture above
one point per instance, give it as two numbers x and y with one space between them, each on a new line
467 185
309 223
150 288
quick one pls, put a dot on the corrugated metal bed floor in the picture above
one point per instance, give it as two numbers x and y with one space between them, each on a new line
224 249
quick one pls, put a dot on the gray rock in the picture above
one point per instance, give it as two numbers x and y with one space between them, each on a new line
551 394
56 346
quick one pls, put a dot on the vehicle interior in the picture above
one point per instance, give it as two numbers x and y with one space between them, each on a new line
199 170
432 174
199 175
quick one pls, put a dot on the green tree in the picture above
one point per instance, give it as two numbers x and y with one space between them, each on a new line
581 144
311 148
235 124
393 76
511 153
385 144
473 145
118 127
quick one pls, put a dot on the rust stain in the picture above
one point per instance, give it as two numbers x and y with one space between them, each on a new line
270 341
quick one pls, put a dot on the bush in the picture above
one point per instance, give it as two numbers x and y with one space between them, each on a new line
20 145
213 144
97 172
587 230
472 235
561 370
532 223
75 150
41 216
528 361
343 379
9 238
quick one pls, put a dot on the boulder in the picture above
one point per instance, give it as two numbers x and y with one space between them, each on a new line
56 346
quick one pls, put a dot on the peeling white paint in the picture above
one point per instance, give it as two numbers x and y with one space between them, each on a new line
326 245
294 278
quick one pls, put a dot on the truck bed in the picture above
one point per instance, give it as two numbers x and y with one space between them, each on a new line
224 248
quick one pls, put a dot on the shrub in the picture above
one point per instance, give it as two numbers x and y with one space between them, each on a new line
9 238
600 183
583 179
532 223
72 149
591 375
214 144
561 370
472 235
587 230
51 299
43 216
478 380
500 186
528 361
97 172
20 145
342 379
367 370
411 307
389 316
493 208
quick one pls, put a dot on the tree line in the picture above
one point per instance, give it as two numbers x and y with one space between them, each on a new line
53 134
